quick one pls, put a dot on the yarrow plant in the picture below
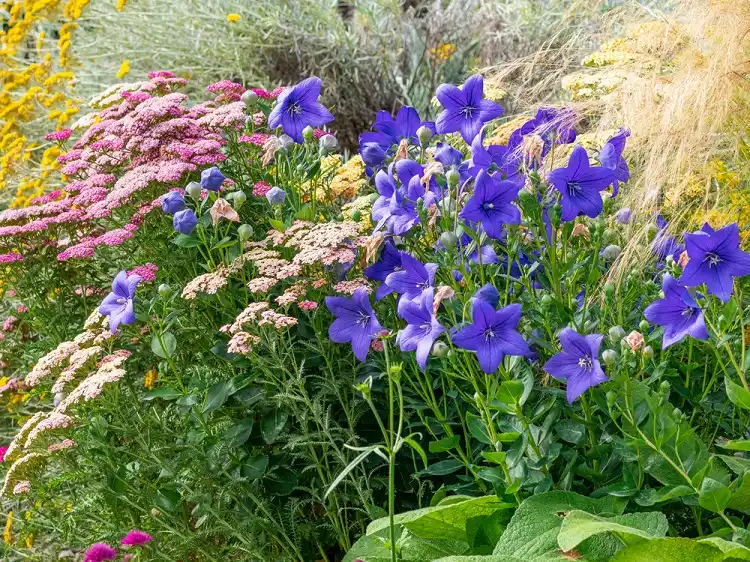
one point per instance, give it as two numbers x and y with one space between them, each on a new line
296 347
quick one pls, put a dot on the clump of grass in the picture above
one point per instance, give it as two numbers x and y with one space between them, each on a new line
371 54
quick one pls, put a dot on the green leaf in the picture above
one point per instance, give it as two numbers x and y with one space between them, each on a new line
445 521
653 496
238 433
733 551
277 224
736 464
441 468
272 424
510 392
167 499
579 526
351 466
445 444
418 448
186 241
570 431
170 343
508 436
740 499
669 550
254 467
305 213
477 429
163 392
533 530
497 457
737 394
281 481
714 496
217 395
743 445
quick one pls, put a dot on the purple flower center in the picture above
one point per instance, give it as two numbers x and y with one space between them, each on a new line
488 206
489 333
574 188
713 259
294 108
363 319
586 363
688 312
468 111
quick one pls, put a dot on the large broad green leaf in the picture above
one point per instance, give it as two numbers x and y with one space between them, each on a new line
653 496
670 550
488 558
742 445
714 496
532 532
272 424
444 521
376 548
737 465
580 525
731 550
740 499
737 394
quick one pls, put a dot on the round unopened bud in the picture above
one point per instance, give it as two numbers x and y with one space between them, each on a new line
245 231
611 397
669 260
250 98
525 197
164 290
453 177
356 216
609 289
611 252
648 352
616 333
643 326
329 143
239 199
555 213
546 301
276 196
155 512
424 134
448 240
194 189
609 356
440 349
308 133
664 387
609 235
286 141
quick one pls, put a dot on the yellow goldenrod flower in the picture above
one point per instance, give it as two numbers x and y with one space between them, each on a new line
120 5
29 541
124 69
233 18
8 533
150 379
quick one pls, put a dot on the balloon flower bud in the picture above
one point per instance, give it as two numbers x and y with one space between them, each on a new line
239 199
308 133
250 98
245 231
453 177
164 290
440 349
448 240
424 134
328 143
194 189
609 356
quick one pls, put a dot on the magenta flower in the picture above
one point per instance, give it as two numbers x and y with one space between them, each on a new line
298 107
118 305
465 108
136 538
3 450
577 363
100 552
492 334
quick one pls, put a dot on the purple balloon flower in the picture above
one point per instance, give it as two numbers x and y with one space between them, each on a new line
623 215
172 202
99 552
677 312
297 107
355 322
414 278
465 108
185 221
610 157
491 204
492 335
579 185
578 362
212 178
403 127
422 327
118 305
715 259
487 293
390 261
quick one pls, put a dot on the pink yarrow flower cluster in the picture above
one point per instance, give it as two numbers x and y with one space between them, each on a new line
61 135
147 271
